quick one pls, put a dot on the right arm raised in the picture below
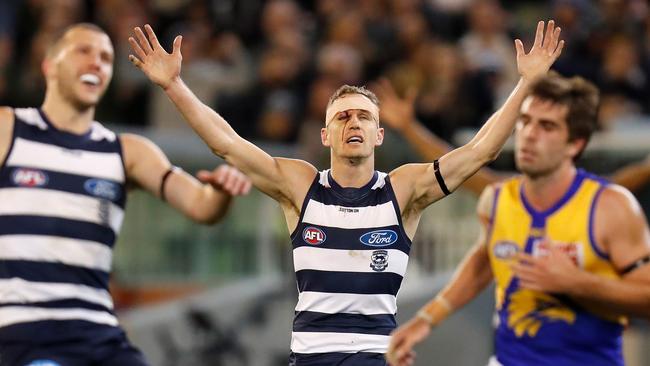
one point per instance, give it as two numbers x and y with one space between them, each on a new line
6 130
471 278
285 180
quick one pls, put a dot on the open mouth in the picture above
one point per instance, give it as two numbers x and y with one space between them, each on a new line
90 79
355 140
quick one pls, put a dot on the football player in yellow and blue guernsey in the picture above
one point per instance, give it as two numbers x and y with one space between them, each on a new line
568 251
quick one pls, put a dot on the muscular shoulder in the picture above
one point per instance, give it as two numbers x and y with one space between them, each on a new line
485 202
617 202
6 119
137 148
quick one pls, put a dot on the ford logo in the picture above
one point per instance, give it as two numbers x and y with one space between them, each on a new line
379 238
102 188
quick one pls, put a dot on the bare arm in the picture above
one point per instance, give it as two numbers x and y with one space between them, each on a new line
399 114
6 130
633 176
285 180
472 276
458 165
146 164
621 231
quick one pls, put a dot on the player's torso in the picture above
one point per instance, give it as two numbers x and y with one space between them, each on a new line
350 254
535 328
62 198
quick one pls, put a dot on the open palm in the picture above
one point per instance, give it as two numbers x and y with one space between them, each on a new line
546 49
159 66
396 112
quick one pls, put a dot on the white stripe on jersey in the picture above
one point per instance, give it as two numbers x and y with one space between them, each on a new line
75 252
10 315
38 155
333 303
377 216
323 342
344 260
17 290
44 202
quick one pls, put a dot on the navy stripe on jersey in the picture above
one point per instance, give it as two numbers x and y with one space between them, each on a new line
367 200
53 272
339 359
51 135
55 226
348 239
71 183
63 304
349 282
70 330
309 321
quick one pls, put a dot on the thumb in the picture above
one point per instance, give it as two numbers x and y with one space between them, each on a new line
177 45
519 47
204 176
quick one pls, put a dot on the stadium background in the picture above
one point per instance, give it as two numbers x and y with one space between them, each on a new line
223 295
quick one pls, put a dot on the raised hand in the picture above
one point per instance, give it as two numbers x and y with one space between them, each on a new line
227 179
159 66
396 112
546 49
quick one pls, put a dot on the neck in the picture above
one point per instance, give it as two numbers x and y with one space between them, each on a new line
352 173
544 191
66 117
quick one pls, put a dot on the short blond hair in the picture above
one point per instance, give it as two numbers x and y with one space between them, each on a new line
351 89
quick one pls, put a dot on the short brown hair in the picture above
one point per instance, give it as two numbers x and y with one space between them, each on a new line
579 95
54 47
351 89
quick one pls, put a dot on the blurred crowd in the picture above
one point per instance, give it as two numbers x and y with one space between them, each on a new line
270 66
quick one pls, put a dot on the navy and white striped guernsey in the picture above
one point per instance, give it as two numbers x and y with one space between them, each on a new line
350 254
62 200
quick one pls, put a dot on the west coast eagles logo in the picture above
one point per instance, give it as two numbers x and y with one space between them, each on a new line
379 260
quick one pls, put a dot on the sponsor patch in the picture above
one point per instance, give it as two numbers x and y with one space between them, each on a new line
313 235
103 188
379 238
29 177
379 260
505 249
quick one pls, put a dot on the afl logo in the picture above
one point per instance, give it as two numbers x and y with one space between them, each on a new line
379 238
505 249
29 178
102 188
313 236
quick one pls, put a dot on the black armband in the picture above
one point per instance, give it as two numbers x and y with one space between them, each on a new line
441 182
638 263
163 181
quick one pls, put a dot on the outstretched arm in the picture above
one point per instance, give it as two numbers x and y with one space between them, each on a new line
399 114
634 176
148 167
458 165
472 276
285 180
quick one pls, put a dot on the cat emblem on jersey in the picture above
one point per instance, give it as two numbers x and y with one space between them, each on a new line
379 260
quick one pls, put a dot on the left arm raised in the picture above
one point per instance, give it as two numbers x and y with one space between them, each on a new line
459 164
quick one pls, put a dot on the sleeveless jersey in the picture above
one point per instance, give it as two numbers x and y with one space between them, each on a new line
62 198
536 328
350 254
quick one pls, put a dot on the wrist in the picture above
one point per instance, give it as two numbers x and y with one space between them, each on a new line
173 84
436 311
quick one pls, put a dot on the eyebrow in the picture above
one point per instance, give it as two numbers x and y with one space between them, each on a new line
361 111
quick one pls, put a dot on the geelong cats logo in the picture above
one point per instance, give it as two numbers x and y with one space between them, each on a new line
379 260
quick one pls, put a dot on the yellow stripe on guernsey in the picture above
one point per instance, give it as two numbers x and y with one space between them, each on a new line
516 226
